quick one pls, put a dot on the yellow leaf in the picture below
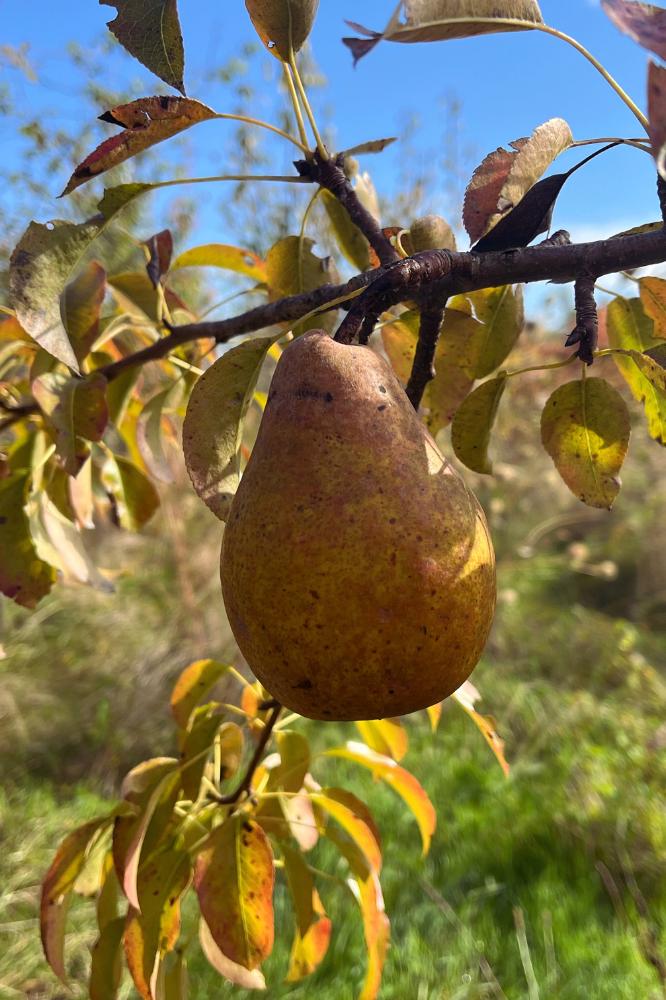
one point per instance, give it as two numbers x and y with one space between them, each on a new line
386 736
194 683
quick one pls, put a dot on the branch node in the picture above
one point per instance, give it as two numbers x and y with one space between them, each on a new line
586 331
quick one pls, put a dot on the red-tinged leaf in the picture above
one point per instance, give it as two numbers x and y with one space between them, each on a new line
644 22
138 790
282 24
134 496
400 780
150 31
247 979
24 577
213 426
313 928
80 305
434 715
106 961
376 929
144 123
234 882
75 410
467 696
309 951
57 889
152 932
653 297
221 255
193 685
657 114
386 736
390 232
44 261
160 250
483 191
585 428
355 819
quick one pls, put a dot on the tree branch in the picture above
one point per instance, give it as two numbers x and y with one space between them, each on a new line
448 273
423 367
586 331
244 786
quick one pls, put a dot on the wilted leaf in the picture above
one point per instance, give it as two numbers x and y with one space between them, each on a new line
386 736
473 423
355 819
653 297
350 240
585 429
245 978
467 696
152 932
400 780
194 683
644 22
279 22
234 882
80 306
43 262
213 425
76 410
23 575
150 31
221 255
106 961
160 250
134 496
631 329
483 191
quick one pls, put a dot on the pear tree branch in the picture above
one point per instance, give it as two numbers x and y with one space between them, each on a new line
423 367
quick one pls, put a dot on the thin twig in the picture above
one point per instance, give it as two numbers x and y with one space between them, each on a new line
245 784
586 331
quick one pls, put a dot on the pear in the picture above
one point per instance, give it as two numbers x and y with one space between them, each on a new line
357 568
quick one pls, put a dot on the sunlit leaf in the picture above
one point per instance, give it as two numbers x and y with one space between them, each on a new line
135 498
228 258
456 359
12 331
371 146
107 898
355 818
400 780
473 423
653 297
43 263
198 740
152 427
467 696
135 294
386 736
161 802
194 683
502 314
644 22
23 575
150 31
350 240
106 961
292 267
60 543
585 429
434 715
213 425
80 306
76 411
281 23
234 882
247 979
630 328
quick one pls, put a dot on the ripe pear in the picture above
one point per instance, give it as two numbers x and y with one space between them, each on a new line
357 568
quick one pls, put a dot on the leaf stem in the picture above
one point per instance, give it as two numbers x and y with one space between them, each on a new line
641 144
542 368
302 131
321 148
271 128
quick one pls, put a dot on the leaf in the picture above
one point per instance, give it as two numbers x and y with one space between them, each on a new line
233 879
400 780
150 31
631 329
434 715
653 297
160 802
527 163
650 367
585 429
350 240
80 305
144 123
194 683
160 250
466 696
456 359
644 22
386 736
657 114
292 267
290 773
107 898
197 746
174 982
23 575
150 431
106 961
473 423
153 932
313 928
440 20
502 314
57 890
76 410
60 543
43 262
135 498
371 146
213 426
11 331
221 255
355 819
279 22
234 973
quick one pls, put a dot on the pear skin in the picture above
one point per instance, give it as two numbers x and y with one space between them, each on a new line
357 568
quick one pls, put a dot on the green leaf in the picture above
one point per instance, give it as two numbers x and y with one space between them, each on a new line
313 928
400 780
76 411
136 295
234 882
585 429
245 978
292 267
386 736
456 358
473 423
160 803
294 750
197 746
43 263
150 31
213 426
279 22
653 297
144 123
630 329
23 575
194 683
502 314
106 961
221 255
352 243
80 305
135 498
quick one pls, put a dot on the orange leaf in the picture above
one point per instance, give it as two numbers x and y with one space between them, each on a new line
313 928
386 736
229 258
376 928
434 714
355 818
466 696
192 687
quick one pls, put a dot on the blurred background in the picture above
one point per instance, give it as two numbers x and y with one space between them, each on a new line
551 883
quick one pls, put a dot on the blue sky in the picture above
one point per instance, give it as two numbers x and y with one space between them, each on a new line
507 85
